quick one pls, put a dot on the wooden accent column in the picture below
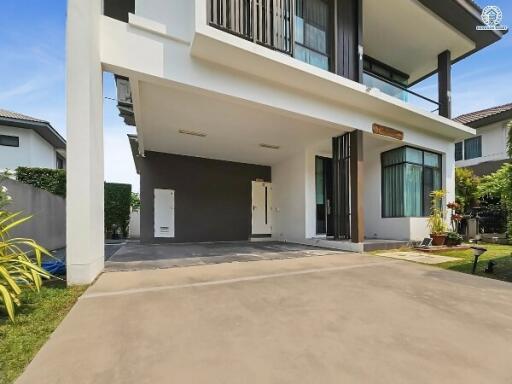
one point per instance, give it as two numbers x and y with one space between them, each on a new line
356 186
349 39
444 64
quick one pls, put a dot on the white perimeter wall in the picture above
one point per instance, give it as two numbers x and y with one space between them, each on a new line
33 151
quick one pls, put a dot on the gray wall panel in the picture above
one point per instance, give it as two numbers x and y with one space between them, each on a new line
212 197
48 224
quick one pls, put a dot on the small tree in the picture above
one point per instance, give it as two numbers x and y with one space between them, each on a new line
499 185
118 200
466 188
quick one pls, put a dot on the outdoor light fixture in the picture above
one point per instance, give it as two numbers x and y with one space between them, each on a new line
477 252
269 146
192 133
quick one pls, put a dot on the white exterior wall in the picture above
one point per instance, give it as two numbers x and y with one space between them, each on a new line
289 199
494 144
34 151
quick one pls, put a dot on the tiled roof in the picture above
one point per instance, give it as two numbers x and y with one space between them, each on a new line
472 117
42 127
18 116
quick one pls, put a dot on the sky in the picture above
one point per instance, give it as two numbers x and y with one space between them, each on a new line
32 76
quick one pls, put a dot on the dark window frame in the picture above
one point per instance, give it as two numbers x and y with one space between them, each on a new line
476 138
5 143
459 152
440 168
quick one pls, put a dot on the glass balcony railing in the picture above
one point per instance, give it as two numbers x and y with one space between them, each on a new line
400 92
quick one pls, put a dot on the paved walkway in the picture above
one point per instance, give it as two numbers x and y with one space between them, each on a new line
418 257
339 318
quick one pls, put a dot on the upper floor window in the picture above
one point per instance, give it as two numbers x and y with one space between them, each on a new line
459 151
312 32
60 162
473 148
409 175
9 141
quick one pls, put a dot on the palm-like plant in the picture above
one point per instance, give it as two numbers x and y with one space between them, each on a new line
436 222
20 261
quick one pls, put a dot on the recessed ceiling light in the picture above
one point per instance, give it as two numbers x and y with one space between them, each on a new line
192 133
270 146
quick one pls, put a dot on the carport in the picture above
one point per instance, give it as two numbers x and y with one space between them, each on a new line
138 256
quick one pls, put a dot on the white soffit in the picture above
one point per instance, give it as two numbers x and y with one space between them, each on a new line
232 131
409 37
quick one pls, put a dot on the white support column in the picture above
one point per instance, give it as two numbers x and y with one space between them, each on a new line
85 239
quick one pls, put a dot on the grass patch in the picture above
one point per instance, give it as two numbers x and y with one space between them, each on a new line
36 319
501 254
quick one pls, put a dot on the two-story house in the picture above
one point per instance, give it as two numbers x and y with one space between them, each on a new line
288 119
29 142
487 151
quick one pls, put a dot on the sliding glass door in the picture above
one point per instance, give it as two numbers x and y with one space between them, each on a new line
313 32
323 184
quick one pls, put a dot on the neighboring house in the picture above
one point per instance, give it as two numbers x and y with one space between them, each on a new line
29 142
292 120
486 152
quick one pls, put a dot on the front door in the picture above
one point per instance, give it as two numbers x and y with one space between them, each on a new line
261 208
323 175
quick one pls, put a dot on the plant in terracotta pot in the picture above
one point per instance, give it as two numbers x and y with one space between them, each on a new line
436 222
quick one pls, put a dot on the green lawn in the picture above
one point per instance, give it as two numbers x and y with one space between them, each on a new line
502 254
40 314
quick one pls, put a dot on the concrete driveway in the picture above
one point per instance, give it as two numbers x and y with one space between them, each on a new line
338 318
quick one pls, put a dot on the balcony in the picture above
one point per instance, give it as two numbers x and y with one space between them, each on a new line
403 93
265 22
307 36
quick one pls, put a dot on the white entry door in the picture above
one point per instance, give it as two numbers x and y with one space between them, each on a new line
164 213
261 208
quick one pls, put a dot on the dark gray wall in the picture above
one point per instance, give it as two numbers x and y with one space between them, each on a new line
212 197
118 9
48 224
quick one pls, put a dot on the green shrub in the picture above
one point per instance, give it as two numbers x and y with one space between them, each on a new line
51 180
118 200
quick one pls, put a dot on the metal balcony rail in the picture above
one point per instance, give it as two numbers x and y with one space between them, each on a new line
265 22
399 91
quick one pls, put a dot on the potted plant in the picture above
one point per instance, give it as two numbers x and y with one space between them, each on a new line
453 239
436 222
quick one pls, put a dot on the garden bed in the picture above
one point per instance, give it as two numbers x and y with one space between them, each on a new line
443 248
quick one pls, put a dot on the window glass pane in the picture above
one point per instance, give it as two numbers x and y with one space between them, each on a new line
413 190
432 159
473 148
395 156
299 30
406 186
458 151
311 32
318 60
319 165
315 38
9 141
414 155
393 191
